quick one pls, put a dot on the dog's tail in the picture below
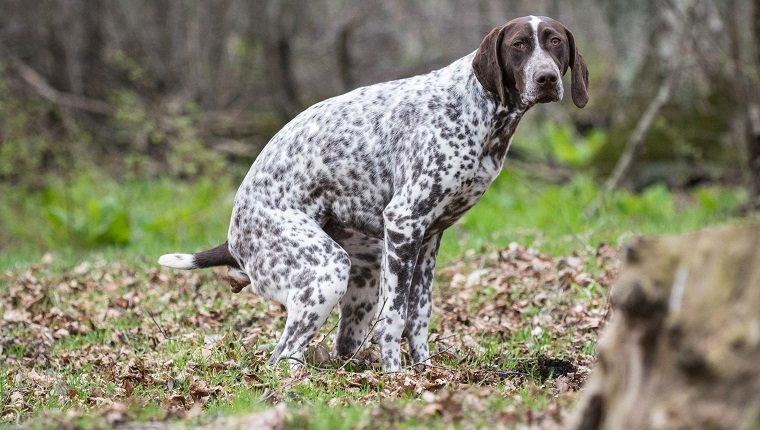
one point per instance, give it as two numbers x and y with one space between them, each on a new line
218 256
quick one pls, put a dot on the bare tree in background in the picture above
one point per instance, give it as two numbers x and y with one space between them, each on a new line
146 76
277 22
675 17
753 111
745 79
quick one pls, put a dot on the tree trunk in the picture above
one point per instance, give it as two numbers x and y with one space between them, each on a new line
343 54
691 33
658 52
753 152
756 30
276 23
753 111
635 143
746 93
93 67
283 64
58 72
683 345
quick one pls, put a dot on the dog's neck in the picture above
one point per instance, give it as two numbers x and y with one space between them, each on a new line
499 120
503 119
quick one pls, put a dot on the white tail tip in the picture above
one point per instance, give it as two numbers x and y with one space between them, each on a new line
177 261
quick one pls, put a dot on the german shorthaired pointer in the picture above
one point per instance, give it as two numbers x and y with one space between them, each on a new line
347 203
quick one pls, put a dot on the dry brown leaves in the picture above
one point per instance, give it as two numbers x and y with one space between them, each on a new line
97 336
519 290
105 337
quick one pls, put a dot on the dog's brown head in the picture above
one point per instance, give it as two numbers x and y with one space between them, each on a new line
524 61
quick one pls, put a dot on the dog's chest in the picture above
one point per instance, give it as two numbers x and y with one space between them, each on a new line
473 183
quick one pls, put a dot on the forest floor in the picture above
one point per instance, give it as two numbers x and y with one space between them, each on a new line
108 344
102 337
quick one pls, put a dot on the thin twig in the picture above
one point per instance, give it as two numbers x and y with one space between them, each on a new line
166 336
350 359
330 331
304 363
276 390
636 140
635 143
450 347
501 372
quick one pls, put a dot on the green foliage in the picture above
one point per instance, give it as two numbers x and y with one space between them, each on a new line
559 142
164 138
132 121
155 216
655 203
32 141
128 65
568 147
93 212
41 142
79 215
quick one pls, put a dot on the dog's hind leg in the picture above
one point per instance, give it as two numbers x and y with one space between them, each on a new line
359 305
297 264
309 307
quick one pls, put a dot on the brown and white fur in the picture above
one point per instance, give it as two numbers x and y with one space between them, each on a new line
346 204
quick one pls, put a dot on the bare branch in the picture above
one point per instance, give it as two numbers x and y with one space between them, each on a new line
636 140
46 91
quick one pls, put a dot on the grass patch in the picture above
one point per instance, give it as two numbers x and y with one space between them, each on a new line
553 217
140 220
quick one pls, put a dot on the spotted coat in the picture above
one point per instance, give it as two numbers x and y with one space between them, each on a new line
347 202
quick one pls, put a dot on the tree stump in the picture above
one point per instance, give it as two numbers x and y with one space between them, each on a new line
682 349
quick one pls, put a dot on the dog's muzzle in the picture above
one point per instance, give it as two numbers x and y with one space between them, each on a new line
548 85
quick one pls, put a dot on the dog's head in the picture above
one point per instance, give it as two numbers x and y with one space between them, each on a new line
523 61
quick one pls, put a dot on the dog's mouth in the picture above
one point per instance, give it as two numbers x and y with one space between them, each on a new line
548 97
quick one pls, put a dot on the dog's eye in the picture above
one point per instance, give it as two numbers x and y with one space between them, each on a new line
556 41
518 45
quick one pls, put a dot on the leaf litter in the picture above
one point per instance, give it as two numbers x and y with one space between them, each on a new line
109 339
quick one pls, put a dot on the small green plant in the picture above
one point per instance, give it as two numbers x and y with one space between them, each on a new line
83 219
558 143
568 147
93 223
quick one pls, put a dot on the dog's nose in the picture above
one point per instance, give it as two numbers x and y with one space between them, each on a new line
546 77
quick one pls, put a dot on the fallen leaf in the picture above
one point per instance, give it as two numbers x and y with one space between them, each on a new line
16 315
128 387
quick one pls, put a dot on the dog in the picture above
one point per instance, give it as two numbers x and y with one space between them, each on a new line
347 202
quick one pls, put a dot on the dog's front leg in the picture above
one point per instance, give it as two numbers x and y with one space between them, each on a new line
420 301
403 239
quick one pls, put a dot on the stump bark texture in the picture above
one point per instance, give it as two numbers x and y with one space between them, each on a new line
682 349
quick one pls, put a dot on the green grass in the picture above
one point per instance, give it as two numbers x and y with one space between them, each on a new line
554 218
93 215
143 219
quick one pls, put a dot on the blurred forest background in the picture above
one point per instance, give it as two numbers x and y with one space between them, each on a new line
106 106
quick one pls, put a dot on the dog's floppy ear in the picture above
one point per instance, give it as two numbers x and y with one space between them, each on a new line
579 73
488 64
